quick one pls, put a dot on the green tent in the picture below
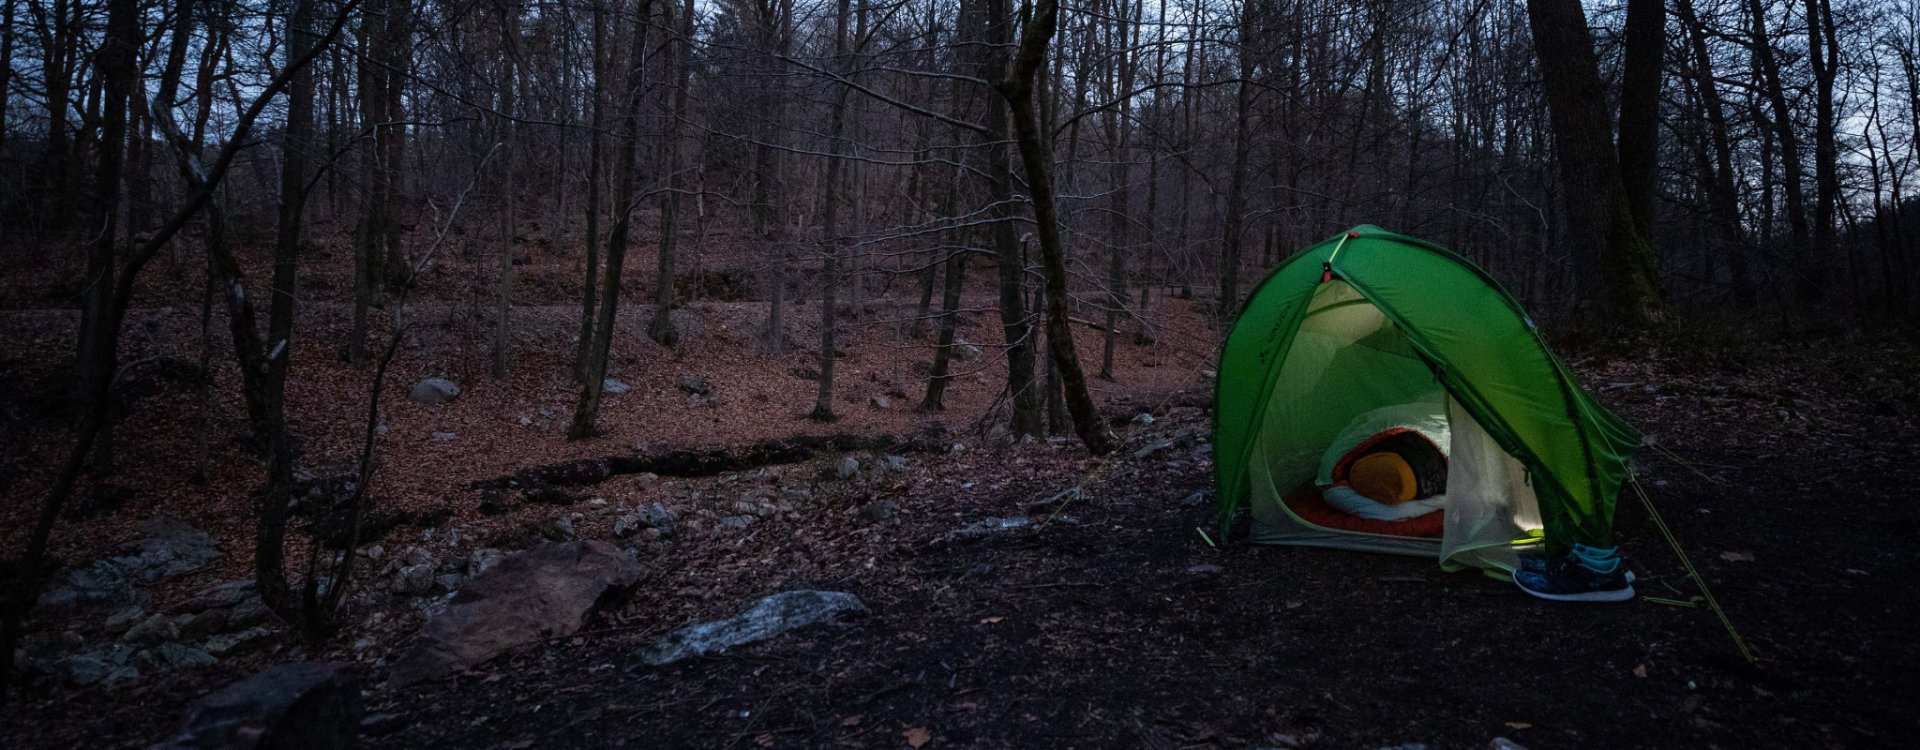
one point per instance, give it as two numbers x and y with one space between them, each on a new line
1369 319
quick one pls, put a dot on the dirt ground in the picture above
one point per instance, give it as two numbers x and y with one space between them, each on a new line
1786 469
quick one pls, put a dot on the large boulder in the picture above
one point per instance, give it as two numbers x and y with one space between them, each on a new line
164 549
305 705
540 593
781 613
434 391
99 587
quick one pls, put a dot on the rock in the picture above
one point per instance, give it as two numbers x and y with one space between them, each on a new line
166 548
879 510
168 656
445 437
373 552
540 593
101 586
964 351
848 468
989 527
417 555
563 526
736 522
413 580
771 616
448 581
614 387
896 464
307 705
229 643
696 385
122 619
1196 499
1054 502
483 560
434 391
153 630
219 596
1143 418
204 624
1152 448
87 669
1502 743
880 402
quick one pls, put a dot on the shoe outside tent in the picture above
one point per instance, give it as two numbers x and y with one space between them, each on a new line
1370 319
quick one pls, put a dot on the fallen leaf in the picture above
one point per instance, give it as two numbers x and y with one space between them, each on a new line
1737 556
1295 604
991 620
851 721
1518 725
917 736
763 740
1640 670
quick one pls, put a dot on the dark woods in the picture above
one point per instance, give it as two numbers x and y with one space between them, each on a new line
1614 164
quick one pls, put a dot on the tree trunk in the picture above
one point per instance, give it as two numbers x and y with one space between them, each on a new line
939 377
1015 327
596 166
1229 305
1645 43
1610 257
587 412
1017 88
1823 55
681 63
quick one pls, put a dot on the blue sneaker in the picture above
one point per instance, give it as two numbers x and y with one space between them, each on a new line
1534 560
1585 574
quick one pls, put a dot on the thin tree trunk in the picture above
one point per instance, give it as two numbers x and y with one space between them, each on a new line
830 222
587 412
1017 88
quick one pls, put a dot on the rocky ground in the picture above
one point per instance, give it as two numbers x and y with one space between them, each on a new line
901 581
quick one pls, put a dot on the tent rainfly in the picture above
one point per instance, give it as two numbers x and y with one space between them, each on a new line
1368 320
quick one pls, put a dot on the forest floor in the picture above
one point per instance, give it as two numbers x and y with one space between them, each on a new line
1107 622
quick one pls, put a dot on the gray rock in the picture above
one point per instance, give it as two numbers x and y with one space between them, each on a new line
1196 499
153 630
1142 418
1151 448
164 549
448 581
736 522
229 643
99 587
564 526
989 527
848 468
880 402
203 624
413 580
484 559
540 593
87 669
312 706
964 351
655 517
771 616
167 656
434 391
614 387
896 464
417 555
219 596
696 385
121 619
1502 743
445 437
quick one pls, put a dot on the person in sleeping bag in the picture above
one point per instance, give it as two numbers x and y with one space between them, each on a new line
1388 464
